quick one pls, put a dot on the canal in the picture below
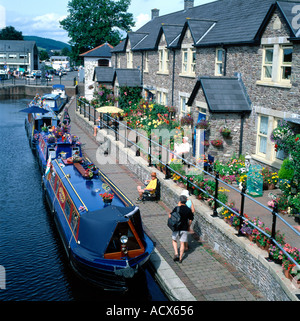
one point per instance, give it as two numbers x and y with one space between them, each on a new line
33 265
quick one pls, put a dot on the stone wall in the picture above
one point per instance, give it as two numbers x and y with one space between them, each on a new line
20 91
250 260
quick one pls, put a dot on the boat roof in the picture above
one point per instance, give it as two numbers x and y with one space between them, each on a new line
85 192
58 86
50 96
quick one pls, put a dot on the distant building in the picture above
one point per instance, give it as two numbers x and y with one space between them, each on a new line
18 55
60 62
98 57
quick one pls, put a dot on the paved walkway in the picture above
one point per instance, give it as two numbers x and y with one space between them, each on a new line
205 273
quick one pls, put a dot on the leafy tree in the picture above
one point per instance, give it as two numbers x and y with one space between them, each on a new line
10 33
91 23
43 54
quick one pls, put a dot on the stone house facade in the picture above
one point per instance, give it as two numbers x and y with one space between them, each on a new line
253 44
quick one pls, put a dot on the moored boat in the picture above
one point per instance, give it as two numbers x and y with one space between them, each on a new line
57 142
54 101
105 242
38 119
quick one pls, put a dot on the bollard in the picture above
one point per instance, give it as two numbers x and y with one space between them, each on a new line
242 210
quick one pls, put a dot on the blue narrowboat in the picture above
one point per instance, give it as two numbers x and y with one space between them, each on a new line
37 120
55 101
57 142
105 242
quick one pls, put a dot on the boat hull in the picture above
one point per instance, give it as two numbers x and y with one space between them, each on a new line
107 274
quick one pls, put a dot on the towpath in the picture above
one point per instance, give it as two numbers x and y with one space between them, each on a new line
203 274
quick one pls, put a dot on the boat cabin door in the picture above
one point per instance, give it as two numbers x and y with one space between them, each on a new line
75 150
52 152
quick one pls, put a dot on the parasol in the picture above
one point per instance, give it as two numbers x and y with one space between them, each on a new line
34 110
110 110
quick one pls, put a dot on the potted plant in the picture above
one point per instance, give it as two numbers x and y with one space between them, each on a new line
203 124
107 197
217 143
225 131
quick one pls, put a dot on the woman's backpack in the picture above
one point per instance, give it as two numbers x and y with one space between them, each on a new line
174 220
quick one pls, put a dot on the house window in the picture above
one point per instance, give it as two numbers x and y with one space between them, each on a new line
129 59
277 65
146 62
219 62
162 97
286 63
183 106
268 63
163 55
188 62
262 135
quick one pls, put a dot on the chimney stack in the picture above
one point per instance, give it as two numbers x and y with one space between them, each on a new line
188 4
155 13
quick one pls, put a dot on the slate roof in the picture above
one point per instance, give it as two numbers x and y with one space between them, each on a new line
128 77
16 45
102 51
222 94
286 9
104 74
215 23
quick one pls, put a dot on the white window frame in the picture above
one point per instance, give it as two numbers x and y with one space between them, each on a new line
261 136
146 61
183 99
129 58
219 63
276 79
163 60
162 96
188 64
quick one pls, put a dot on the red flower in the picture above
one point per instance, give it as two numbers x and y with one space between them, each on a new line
296 139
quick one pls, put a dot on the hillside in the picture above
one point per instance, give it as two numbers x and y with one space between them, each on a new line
46 43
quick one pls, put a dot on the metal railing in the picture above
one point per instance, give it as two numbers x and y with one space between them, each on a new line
90 112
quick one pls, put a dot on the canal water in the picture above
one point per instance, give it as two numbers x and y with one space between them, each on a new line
33 265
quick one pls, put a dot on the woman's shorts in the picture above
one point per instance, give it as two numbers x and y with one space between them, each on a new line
182 235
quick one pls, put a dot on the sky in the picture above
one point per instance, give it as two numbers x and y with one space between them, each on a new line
41 17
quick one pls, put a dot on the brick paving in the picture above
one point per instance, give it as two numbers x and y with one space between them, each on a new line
203 271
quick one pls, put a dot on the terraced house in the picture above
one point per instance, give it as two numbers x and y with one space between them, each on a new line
234 62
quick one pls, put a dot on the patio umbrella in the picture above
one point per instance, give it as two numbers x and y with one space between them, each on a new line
34 110
109 110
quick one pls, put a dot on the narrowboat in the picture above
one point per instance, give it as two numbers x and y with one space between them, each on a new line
105 242
54 101
56 142
59 90
38 119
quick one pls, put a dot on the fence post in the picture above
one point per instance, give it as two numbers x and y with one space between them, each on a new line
89 112
274 214
149 151
242 210
215 213
95 122
137 153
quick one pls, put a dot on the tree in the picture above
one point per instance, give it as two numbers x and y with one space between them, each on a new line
10 33
43 54
91 23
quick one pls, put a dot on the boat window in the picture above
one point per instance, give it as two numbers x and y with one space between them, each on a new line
67 207
74 220
52 178
115 244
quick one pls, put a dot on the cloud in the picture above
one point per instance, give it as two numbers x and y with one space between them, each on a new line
140 20
46 26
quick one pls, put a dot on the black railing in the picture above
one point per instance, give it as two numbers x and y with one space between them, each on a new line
90 112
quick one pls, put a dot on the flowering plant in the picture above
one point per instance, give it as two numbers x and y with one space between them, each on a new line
107 196
203 124
282 135
225 131
217 142
186 120
269 177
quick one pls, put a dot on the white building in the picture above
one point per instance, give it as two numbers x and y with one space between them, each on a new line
97 57
60 62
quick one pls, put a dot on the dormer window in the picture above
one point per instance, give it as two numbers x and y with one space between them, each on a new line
188 62
163 57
